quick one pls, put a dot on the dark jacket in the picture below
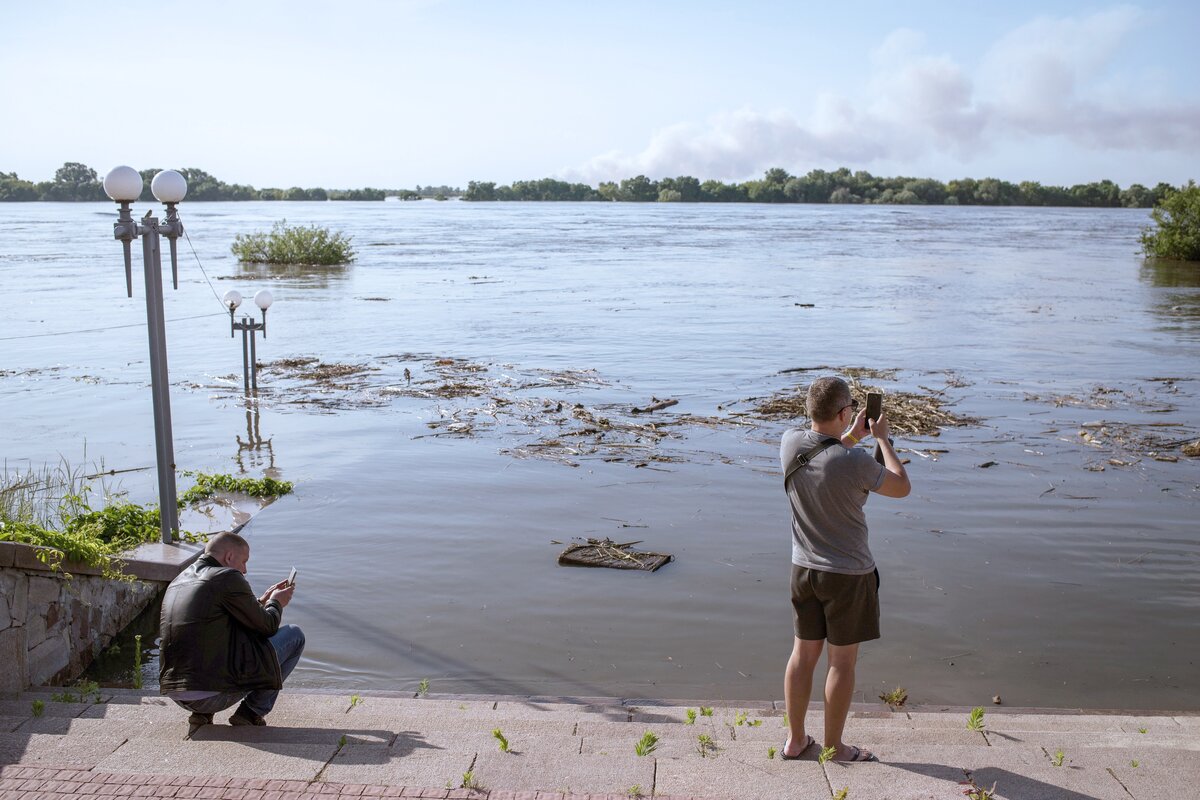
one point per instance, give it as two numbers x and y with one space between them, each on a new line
215 634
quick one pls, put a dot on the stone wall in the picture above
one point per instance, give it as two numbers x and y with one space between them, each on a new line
53 624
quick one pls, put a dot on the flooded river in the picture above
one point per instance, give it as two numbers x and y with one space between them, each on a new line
473 416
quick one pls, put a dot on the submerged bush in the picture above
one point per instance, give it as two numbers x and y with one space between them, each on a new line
294 244
1177 217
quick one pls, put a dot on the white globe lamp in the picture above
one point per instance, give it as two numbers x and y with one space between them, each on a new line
169 186
123 184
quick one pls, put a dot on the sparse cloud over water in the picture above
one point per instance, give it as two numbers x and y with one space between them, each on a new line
1048 79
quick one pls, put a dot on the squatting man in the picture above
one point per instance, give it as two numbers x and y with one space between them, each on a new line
221 645
835 585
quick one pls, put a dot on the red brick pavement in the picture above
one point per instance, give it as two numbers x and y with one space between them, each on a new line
35 783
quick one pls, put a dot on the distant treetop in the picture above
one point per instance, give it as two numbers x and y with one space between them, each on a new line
75 182
79 182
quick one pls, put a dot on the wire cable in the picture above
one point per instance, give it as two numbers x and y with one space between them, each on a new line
109 328
224 308
196 255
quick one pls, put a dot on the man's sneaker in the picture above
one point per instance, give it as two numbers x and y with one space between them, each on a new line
244 716
198 719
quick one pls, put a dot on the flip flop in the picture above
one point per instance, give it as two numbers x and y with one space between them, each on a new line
859 755
811 741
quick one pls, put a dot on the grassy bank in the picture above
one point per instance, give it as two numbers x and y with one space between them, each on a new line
61 510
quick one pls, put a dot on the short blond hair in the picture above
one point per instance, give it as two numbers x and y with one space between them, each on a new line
826 397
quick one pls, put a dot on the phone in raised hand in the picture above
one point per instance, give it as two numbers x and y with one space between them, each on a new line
874 406
292 577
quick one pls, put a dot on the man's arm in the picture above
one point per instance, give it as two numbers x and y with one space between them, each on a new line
895 478
239 601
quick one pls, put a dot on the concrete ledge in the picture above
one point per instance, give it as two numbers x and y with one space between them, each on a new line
153 561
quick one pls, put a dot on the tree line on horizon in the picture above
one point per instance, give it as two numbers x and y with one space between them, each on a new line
76 182
821 186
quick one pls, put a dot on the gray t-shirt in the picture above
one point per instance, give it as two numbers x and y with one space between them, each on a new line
829 529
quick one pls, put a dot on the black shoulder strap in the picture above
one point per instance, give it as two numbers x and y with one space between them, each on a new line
803 459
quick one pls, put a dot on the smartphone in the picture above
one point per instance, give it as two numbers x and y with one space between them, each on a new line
292 577
874 406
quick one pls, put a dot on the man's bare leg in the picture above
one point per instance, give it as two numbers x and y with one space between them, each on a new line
839 691
797 689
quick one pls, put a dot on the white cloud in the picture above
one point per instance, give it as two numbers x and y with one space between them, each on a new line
1047 78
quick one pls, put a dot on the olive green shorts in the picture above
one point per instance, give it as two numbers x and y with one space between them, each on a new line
844 609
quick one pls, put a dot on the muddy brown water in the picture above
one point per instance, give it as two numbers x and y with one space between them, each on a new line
1053 577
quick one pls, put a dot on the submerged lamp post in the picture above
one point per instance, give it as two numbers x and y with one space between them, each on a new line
248 326
124 185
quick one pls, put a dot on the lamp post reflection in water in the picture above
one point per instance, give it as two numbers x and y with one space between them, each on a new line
248 326
255 444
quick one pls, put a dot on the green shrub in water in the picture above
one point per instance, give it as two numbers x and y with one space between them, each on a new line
294 244
1177 217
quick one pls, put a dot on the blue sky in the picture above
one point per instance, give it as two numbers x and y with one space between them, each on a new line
444 91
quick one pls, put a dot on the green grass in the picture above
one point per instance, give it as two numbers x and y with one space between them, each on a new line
647 744
705 745
58 510
1134 764
470 781
691 717
976 792
355 700
706 711
896 698
771 751
294 244
79 692
635 791
827 753
39 708
1058 759
842 794
423 687
209 484
137 661
501 738
975 720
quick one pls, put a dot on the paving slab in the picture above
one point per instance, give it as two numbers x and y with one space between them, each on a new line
578 774
164 711
1050 783
905 775
1156 778
296 734
40 748
726 777
285 761
1077 739
9 724
387 766
23 707
85 726
1058 722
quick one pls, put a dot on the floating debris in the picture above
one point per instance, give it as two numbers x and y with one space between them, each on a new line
614 555
1126 443
908 413
655 405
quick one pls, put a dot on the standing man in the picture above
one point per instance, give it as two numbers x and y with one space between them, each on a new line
834 580
221 644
